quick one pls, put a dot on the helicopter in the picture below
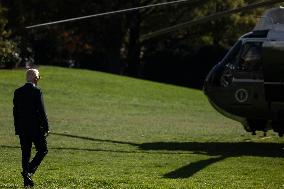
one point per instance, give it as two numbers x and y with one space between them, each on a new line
247 85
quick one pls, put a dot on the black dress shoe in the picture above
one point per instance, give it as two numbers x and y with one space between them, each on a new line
27 179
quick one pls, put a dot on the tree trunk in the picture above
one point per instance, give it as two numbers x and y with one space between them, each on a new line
134 46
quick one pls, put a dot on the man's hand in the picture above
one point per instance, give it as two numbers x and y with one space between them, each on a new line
46 133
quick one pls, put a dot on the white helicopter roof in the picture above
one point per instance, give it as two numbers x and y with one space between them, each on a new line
273 19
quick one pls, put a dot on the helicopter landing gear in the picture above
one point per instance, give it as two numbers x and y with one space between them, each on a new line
278 127
253 125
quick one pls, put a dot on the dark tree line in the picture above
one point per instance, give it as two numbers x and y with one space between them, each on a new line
113 43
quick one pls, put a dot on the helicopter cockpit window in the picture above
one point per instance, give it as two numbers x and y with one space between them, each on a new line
232 54
250 58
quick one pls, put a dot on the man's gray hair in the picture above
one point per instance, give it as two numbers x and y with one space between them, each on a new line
31 74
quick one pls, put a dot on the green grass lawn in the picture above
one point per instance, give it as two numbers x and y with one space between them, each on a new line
116 132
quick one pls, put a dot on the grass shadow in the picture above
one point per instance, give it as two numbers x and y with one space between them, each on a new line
189 170
92 139
218 150
221 149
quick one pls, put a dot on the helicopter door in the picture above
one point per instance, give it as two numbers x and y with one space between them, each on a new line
248 84
250 61
274 71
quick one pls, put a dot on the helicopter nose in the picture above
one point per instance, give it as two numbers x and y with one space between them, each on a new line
205 87
209 81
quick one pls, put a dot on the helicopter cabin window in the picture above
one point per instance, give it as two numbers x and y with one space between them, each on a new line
251 57
231 57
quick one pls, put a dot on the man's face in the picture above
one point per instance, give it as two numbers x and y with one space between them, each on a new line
36 77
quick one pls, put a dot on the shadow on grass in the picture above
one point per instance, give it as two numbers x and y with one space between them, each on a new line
189 170
225 149
221 149
218 150
93 139
96 149
75 149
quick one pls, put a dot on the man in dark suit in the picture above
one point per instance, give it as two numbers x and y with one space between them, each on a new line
31 124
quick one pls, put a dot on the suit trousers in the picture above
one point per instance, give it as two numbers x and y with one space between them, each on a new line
26 147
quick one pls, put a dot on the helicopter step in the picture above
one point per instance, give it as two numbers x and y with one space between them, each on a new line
253 125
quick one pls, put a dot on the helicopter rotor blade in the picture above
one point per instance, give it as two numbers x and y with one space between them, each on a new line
106 13
207 18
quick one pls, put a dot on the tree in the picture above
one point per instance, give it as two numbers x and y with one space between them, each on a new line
186 55
9 55
87 44
112 43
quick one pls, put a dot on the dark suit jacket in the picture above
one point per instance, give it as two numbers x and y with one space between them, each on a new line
29 112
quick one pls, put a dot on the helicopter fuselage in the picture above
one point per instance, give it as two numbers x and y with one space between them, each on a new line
248 84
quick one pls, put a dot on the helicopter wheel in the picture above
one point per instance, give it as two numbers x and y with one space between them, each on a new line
253 125
278 128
